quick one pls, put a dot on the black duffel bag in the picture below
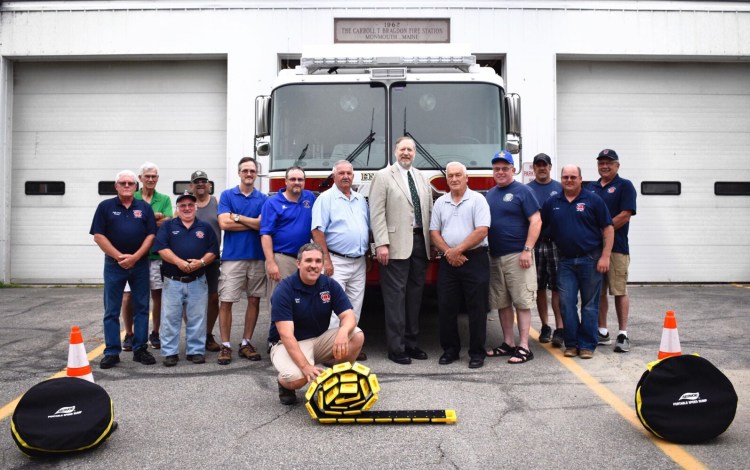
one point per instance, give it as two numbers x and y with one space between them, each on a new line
685 399
62 416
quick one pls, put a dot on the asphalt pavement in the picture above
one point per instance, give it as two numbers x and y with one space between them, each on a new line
552 412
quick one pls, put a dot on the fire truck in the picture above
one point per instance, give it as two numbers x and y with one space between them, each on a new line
350 104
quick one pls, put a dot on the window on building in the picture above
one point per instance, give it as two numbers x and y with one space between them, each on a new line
107 188
45 188
732 188
661 188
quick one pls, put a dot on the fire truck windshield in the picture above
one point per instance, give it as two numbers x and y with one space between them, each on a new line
452 121
315 125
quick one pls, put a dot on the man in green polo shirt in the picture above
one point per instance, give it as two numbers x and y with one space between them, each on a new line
162 207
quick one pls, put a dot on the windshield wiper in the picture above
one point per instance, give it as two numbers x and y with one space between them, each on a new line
302 155
365 144
420 148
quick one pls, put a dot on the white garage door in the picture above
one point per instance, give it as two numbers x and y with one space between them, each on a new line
79 123
686 123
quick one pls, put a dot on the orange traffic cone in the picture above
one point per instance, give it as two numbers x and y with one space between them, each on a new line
670 340
78 363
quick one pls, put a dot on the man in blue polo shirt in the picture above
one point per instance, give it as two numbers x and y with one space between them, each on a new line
619 196
285 226
242 259
124 229
299 333
187 245
580 225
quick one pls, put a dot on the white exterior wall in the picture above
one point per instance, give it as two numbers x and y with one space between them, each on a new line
533 35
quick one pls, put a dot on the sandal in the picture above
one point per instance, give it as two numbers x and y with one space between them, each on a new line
521 353
503 350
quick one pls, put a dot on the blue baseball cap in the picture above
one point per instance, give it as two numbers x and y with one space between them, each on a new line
503 155
608 153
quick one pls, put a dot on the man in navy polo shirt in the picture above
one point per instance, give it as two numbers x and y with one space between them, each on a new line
124 229
580 225
186 245
285 226
301 311
619 196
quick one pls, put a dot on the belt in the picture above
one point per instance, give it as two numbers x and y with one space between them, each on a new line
285 254
580 255
343 256
418 230
185 279
479 249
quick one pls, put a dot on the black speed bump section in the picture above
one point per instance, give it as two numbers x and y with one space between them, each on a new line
345 394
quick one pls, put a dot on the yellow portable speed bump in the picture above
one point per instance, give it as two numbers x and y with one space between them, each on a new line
345 394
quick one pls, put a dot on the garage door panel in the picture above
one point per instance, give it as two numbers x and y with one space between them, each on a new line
685 122
100 150
81 123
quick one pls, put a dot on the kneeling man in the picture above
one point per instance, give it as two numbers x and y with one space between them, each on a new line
301 309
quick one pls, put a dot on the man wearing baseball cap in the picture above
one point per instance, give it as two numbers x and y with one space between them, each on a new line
619 196
207 208
186 245
514 228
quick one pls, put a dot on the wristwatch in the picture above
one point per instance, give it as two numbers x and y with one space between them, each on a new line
236 218
527 248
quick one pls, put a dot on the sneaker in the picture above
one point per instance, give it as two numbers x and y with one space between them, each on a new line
248 352
604 339
108 362
211 344
196 358
153 338
172 360
225 355
144 357
623 343
558 340
570 352
127 343
546 334
286 396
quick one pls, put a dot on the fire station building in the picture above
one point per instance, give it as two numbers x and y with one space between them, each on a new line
88 88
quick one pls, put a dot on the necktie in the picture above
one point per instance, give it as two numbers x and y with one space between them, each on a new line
415 200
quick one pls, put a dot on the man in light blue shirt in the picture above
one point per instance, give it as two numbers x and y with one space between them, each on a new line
340 225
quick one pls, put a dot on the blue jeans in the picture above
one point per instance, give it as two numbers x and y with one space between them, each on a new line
574 275
115 278
193 296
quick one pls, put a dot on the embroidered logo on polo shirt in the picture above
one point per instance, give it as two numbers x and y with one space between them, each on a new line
580 207
200 234
611 190
508 197
553 193
306 204
296 300
175 232
325 296
137 213
116 212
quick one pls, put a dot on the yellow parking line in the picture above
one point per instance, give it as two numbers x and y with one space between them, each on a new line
680 456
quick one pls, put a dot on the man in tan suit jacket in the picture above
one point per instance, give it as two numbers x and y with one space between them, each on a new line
402 241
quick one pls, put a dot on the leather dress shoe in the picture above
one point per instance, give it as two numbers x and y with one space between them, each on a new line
416 353
399 358
447 358
476 362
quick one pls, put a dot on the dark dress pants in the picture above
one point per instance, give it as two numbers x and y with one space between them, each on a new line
469 283
402 282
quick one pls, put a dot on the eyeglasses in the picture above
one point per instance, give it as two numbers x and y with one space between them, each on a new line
200 182
503 169
296 180
569 177
126 183
150 177
186 206
246 171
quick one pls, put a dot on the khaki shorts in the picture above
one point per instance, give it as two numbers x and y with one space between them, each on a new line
510 284
243 275
617 277
287 266
316 350
155 281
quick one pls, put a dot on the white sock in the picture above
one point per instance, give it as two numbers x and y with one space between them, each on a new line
245 341
624 332
227 344
603 331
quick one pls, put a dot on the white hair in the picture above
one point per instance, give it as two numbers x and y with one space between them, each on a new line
148 166
341 162
124 173
463 167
